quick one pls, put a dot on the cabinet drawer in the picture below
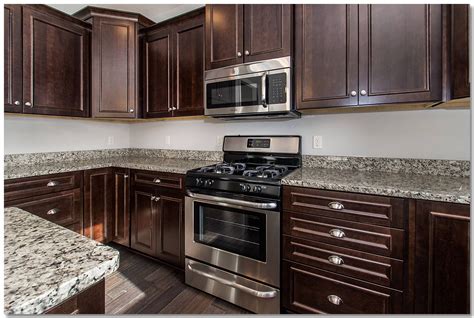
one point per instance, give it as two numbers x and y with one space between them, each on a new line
362 237
159 179
355 207
372 268
63 208
313 291
33 186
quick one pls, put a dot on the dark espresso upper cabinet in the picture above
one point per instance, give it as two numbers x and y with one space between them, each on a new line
347 55
55 63
174 67
267 29
114 75
12 80
238 33
224 35
400 53
441 256
456 45
326 55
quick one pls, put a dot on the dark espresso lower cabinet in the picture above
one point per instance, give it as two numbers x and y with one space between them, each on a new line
441 256
121 217
157 217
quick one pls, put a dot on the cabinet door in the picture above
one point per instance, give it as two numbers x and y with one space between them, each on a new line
12 74
326 56
158 73
459 19
170 225
224 35
143 220
99 204
268 31
188 65
399 53
114 67
121 216
55 65
441 256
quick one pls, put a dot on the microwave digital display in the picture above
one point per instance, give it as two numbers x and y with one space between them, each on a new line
258 143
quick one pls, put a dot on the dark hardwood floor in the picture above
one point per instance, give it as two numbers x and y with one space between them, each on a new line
143 286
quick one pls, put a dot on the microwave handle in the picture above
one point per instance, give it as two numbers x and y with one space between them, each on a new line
264 88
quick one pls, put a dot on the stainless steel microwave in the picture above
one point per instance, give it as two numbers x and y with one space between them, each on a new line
257 89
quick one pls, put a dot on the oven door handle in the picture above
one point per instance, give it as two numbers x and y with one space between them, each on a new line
255 205
245 289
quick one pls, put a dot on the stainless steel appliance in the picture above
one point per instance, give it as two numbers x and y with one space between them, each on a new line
245 91
232 221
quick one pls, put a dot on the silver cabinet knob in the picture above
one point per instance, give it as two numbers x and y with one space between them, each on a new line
156 180
353 93
175 108
157 199
336 300
131 110
28 104
239 54
170 109
335 205
337 233
125 176
336 260
17 103
52 211
52 183
363 92
247 52
152 198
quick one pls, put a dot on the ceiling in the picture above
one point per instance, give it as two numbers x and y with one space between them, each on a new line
155 12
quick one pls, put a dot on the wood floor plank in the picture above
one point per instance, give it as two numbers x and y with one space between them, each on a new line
143 286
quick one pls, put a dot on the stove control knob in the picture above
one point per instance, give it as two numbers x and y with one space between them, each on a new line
198 181
257 189
208 182
248 188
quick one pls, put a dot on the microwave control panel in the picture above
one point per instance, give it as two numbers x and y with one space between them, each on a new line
276 88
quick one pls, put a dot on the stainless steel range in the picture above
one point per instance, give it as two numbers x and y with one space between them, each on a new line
232 221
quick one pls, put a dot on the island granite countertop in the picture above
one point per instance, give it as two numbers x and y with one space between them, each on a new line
406 185
173 165
46 264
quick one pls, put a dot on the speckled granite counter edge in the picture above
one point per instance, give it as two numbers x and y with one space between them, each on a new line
391 192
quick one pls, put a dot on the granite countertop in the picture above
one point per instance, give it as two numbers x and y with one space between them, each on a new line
173 165
406 185
46 264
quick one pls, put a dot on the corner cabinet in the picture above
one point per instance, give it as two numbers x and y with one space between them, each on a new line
115 61
441 258
173 73
237 33
46 49
349 55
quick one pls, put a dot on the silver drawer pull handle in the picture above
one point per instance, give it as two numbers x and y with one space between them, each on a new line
156 180
52 211
335 205
152 198
52 184
337 233
336 300
336 260
157 199
245 289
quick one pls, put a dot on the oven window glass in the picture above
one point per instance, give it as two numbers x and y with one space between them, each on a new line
233 230
234 93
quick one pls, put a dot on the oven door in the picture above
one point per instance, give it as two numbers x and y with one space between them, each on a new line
234 236
233 95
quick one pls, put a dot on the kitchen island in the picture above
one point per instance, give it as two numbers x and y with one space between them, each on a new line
50 269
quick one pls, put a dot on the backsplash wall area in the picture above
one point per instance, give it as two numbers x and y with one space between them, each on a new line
426 134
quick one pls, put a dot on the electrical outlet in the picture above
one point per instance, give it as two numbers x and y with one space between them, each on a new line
110 140
317 142
168 140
